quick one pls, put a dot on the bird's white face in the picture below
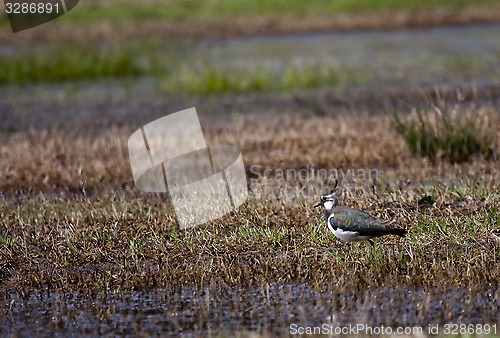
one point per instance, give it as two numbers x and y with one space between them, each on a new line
329 204
329 201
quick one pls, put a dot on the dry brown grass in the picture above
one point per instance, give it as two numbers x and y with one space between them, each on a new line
77 161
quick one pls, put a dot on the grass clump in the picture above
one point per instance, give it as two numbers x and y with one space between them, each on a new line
451 134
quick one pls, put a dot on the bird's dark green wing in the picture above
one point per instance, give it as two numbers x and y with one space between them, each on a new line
349 219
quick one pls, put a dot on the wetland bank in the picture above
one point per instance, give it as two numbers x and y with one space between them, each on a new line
89 254
83 252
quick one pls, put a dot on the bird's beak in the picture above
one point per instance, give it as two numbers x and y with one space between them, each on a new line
317 205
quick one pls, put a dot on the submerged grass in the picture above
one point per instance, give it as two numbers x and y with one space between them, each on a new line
210 80
73 63
168 67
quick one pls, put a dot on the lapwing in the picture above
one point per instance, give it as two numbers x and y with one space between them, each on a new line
352 225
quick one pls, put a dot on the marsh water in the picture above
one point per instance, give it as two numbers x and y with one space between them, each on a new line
460 55
272 309
413 56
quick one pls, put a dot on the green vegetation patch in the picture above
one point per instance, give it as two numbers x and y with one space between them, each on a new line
69 63
210 80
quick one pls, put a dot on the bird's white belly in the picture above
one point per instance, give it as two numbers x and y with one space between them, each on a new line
349 236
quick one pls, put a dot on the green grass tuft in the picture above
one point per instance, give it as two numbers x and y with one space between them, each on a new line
450 134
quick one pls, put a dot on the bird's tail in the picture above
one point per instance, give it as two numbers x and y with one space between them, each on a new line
398 232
